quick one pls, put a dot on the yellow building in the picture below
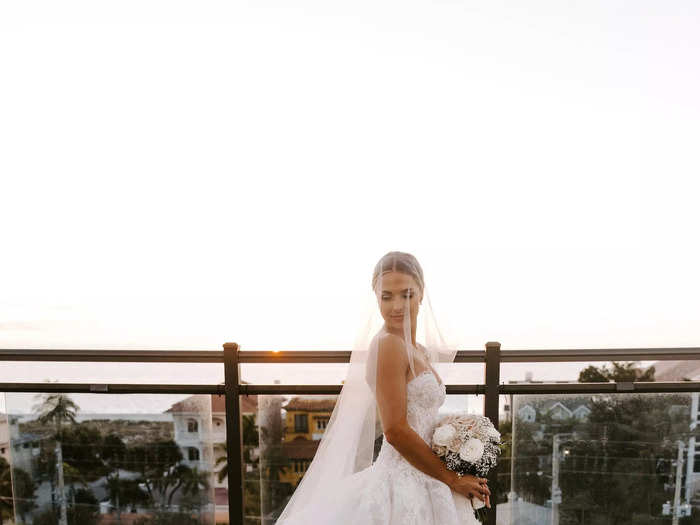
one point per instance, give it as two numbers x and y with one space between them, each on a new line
305 422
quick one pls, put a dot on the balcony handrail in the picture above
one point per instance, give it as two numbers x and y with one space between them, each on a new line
539 387
113 388
112 355
340 356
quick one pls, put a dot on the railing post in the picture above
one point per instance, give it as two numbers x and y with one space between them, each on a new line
234 438
492 378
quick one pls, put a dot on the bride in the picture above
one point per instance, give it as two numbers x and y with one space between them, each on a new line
391 375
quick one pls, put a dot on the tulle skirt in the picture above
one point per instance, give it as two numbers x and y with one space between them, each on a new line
379 495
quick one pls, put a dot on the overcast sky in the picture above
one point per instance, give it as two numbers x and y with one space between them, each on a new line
181 174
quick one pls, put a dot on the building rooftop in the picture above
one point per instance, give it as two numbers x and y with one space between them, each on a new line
249 404
311 404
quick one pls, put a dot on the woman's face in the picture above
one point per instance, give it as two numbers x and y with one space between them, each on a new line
399 293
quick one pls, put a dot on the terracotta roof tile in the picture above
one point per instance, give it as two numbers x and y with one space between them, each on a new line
311 404
249 404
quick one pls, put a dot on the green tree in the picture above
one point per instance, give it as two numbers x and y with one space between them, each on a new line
499 490
531 482
155 462
594 374
6 507
83 447
85 509
56 409
21 497
121 492
620 372
46 463
191 481
611 469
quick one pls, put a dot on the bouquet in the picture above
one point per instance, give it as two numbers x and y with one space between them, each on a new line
468 444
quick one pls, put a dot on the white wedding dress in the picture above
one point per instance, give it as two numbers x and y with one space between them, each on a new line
392 491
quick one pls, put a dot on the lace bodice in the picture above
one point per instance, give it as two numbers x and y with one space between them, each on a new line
424 396
400 494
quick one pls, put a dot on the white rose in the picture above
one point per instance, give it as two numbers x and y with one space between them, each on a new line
493 433
471 450
444 435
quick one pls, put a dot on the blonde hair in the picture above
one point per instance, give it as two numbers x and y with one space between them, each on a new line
400 262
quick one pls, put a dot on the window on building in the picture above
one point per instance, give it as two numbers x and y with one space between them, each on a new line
192 425
321 423
301 423
193 454
300 465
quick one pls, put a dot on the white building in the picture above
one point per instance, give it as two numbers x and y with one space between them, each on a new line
200 432
557 410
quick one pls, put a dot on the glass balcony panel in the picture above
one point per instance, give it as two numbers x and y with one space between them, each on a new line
79 456
602 458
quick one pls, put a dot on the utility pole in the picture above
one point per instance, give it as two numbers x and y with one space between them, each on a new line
555 480
677 492
63 518
690 475
556 491
511 494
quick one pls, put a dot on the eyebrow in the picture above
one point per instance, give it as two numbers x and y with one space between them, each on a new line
404 290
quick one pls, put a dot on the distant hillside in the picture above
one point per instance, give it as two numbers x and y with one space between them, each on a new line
131 432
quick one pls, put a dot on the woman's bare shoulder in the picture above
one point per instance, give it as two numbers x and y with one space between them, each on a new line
391 343
392 349
387 336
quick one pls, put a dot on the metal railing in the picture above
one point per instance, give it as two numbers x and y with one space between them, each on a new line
232 389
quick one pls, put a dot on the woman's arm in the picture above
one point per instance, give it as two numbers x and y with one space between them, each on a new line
392 364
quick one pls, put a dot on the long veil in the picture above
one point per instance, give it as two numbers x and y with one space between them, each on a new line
348 444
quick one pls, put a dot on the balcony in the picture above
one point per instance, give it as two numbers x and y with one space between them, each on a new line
621 448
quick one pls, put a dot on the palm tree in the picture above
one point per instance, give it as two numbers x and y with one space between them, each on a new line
250 439
190 479
195 480
56 408
222 473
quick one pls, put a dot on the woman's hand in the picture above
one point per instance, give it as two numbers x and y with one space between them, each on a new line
471 486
